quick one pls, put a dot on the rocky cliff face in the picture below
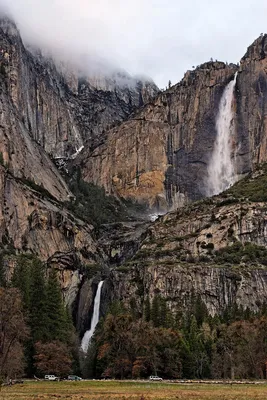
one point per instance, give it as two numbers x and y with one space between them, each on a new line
43 110
101 103
36 93
33 218
33 223
215 249
61 109
252 105
160 156
218 288
24 157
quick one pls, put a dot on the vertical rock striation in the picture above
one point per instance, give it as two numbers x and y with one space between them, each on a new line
60 108
251 106
160 155
214 250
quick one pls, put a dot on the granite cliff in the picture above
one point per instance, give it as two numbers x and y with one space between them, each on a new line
214 249
161 154
62 107
45 113
157 153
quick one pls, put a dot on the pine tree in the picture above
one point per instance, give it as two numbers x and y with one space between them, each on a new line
155 311
57 320
162 312
193 334
170 319
37 307
29 278
134 309
21 278
200 311
147 310
2 272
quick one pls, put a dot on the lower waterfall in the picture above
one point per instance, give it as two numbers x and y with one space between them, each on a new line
221 169
94 321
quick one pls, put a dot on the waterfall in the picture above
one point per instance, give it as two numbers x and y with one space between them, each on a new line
94 321
221 171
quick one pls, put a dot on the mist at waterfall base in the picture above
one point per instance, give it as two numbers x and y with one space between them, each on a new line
221 169
94 321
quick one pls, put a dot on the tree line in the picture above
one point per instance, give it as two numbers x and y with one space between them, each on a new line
179 345
37 336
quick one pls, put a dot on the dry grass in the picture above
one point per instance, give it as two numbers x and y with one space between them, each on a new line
96 390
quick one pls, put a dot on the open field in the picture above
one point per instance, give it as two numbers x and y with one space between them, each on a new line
106 390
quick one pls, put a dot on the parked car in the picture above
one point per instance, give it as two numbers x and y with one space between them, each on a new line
74 378
51 378
155 378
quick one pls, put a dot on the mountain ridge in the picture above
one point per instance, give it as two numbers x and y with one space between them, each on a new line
157 157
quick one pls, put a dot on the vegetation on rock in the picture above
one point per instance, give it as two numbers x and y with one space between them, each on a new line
91 203
252 187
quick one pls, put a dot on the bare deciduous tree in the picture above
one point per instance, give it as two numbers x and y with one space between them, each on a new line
13 331
52 358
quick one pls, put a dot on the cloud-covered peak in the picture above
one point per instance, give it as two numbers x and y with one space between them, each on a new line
158 38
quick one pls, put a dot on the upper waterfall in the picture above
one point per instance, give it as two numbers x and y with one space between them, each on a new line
94 321
221 169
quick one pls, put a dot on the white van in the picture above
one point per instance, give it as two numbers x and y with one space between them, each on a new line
51 378
155 378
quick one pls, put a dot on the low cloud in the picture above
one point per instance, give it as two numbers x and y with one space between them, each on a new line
157 38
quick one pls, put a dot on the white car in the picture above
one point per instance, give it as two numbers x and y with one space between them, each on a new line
51 378
155 378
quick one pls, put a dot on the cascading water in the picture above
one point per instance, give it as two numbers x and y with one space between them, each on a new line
221 170
94 321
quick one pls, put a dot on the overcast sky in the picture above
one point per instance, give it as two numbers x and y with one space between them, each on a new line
158 38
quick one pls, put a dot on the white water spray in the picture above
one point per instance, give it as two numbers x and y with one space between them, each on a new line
94 321
221 171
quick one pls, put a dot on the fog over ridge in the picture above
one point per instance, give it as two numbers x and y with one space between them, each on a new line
157 38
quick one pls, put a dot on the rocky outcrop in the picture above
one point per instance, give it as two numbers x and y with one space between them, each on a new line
215 250
218 288
120 241
33 223
100 104
160 155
